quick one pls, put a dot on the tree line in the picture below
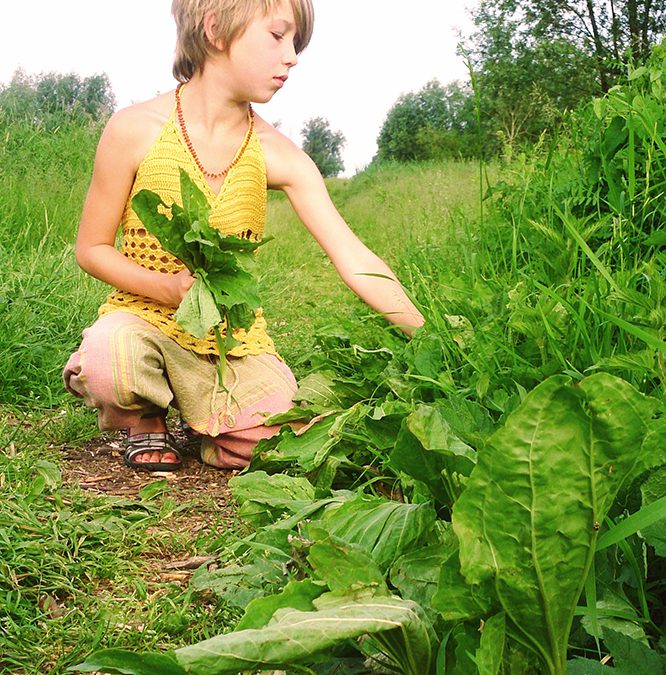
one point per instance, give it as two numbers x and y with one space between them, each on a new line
530 62
48 98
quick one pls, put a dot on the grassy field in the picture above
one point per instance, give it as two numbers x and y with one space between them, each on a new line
75 567
556 275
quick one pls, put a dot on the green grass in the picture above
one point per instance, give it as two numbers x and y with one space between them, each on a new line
532 289
78 571
60 544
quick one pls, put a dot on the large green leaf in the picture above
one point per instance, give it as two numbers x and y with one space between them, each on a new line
457 600
240 584
129 663
529 516
197 312
429 424
308 449
429 450
296 594
416 574
323 389
382 423
343 566
295 636
263 498
384 529
234 287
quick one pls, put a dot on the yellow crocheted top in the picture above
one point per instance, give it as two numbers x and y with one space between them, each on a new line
239 209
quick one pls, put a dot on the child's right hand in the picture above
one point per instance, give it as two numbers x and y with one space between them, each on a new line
177 286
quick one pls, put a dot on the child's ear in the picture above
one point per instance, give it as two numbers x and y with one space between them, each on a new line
211 30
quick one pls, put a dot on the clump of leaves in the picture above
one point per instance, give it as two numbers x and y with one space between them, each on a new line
330 569
225 292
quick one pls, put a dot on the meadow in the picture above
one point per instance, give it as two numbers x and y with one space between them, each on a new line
503 470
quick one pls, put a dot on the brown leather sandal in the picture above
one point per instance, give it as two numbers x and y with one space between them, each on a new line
156 441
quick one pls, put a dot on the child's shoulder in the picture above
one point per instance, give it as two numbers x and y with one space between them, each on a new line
137 126
284 159
140 118
271 137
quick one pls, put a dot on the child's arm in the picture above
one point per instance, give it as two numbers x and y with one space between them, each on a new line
291 170
124 142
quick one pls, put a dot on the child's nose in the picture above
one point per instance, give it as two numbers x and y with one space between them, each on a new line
290 58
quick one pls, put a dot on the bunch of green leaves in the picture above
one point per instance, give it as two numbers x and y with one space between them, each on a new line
225 290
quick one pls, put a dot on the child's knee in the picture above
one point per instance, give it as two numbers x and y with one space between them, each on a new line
104 368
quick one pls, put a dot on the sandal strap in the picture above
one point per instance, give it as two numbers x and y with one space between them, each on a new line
160 441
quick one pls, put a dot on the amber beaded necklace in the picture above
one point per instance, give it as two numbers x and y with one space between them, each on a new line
193 152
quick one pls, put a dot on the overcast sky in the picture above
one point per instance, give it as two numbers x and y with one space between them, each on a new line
364 54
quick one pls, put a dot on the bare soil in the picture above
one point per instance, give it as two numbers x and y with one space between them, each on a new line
98 467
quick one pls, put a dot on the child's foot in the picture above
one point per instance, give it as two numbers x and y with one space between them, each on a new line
222 458
151 447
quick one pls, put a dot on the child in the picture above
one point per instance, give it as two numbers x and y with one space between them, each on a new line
135 360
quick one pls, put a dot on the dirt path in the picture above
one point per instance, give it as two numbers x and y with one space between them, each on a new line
98 468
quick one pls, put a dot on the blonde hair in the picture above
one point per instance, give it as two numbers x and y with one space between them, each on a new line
233 17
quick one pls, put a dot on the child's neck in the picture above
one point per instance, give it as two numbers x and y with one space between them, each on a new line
207 102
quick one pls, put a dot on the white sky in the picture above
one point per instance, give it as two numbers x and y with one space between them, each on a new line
363 55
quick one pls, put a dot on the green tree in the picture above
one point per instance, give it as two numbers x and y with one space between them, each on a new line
435 122
50 96
536 58
324 146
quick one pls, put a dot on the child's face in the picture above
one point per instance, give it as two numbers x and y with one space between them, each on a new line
260 59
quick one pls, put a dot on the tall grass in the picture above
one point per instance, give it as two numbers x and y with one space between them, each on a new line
565 274
394 209
71 575
44 299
